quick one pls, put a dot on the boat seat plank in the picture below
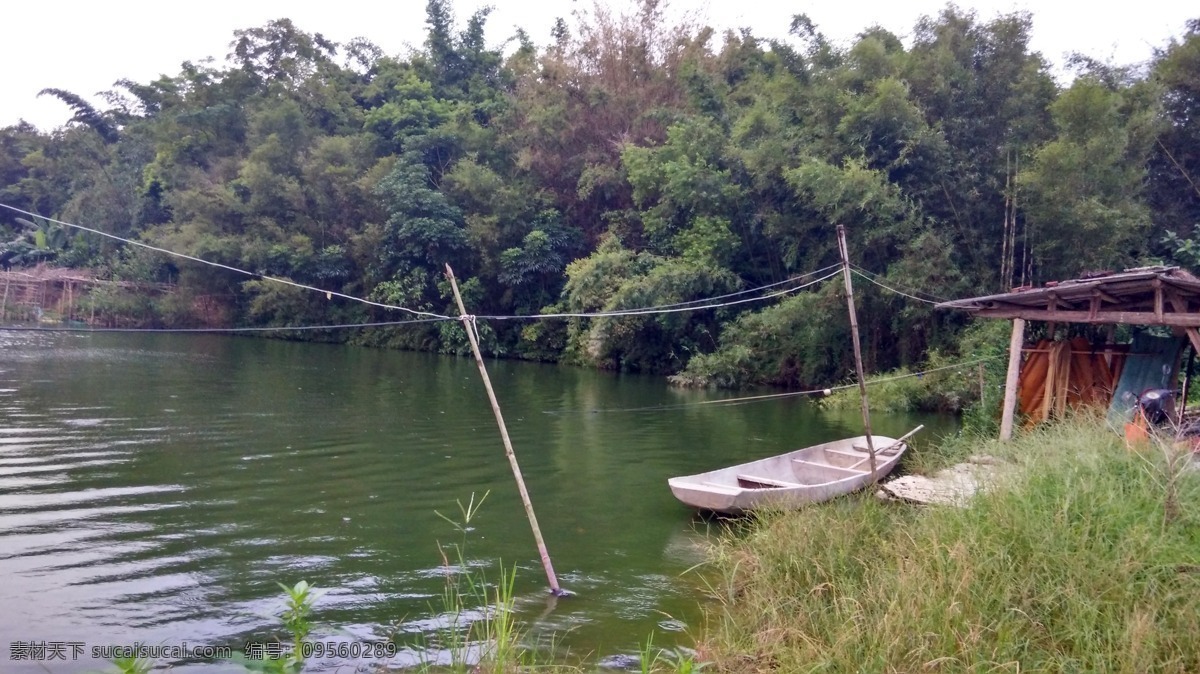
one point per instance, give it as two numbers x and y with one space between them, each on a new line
835 469
769 481
842 452
865 463
890 449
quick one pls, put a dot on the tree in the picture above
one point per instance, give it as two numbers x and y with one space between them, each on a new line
611 82
615 278
423 228
687 195
1173 189
1084 202
85 114
989 96
279 53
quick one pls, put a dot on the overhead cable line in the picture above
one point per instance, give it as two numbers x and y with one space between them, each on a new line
861 275
747 291
327 293
662 309
730 402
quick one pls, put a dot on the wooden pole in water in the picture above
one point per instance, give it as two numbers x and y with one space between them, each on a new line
469 326
858 366
1010 380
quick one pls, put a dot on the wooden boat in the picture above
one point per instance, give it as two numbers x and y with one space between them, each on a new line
788 481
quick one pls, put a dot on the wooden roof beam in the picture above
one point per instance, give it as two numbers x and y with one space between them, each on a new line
1178 303
1055 302
1001 306
1185 286
1104 296
1102 317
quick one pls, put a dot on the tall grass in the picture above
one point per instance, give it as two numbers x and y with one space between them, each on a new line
1086 559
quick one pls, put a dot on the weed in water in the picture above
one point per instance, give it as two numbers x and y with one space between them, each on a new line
649 655
480 632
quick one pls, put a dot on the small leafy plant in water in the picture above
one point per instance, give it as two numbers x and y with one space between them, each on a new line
299 600
133 665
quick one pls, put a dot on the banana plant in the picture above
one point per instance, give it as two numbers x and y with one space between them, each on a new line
42 241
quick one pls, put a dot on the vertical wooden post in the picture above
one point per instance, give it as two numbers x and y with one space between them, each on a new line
1010 380
1187 381
469 326
858 366
4 304
982 388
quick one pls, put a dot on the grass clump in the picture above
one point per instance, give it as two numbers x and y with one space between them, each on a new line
1085 559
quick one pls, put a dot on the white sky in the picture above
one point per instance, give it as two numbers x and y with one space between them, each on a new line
85 47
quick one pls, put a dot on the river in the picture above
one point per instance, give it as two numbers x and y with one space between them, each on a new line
155 488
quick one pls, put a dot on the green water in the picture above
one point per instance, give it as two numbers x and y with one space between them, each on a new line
154 488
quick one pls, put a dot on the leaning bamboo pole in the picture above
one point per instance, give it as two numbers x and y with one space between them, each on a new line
858 366
469 325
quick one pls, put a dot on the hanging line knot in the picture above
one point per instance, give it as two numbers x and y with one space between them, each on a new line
471 324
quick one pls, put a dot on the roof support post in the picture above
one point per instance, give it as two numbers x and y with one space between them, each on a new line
1194 337
1010 380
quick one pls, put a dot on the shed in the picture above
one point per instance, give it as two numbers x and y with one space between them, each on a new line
1150 296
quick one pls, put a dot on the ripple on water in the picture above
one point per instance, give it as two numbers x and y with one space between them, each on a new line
22 430
25 442
94 422
31 501
58 467
25 482
45 519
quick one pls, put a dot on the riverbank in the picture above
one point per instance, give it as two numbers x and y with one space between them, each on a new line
1084 560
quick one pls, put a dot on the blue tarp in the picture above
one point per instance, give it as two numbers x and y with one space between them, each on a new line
1151 364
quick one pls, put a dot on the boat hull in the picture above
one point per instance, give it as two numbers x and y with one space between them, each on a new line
790 480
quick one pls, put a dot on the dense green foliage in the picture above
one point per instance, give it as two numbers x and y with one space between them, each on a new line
628 163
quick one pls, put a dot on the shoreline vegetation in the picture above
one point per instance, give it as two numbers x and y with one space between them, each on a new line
1083 559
